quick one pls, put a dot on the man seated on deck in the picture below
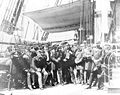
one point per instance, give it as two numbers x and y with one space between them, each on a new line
98 60
39 64
20 65
87 53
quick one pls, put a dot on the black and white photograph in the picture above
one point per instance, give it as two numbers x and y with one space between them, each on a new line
59 47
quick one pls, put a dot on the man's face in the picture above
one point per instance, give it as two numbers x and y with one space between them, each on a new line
62 48
46 48
38 53
42 52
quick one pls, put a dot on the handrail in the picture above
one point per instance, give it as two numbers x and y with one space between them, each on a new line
110 67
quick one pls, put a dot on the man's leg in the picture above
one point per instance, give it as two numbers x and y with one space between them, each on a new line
96 81
63 75
75 75
45 76
85 72
60 76
81 75
33 80
29 81
55 75
39 79
100 82
91 79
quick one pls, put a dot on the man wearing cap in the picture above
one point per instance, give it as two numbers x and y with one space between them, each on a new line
39 64
88 62
55 58
97 58
79 65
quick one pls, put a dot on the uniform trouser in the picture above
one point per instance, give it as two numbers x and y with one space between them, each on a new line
39 79
87 70
50 80
20 79
80 75
55 75
86 76
76 75
72 74
24 78
45 76
78 72
92 78
60 79
33 79
100 82
66 75
29 80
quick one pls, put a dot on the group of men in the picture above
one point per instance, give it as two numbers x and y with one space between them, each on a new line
59 64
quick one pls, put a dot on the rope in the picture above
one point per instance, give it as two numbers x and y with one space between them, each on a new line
1 3
37 33
57 2
18 11
2 24
26 30
9 10
34 32
15 12
12 10
60 2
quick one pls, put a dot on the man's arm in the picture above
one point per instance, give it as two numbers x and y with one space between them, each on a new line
33 64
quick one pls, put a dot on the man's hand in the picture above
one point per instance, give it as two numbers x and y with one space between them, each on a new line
64 60
98 76
38 69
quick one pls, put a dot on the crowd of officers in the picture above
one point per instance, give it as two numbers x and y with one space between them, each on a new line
43 66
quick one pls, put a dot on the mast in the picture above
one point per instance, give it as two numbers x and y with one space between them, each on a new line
93 20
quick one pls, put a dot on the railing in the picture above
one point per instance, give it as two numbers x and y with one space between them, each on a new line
113 60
